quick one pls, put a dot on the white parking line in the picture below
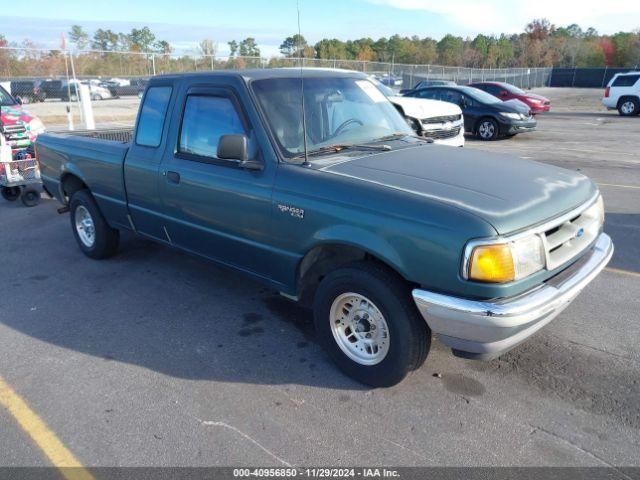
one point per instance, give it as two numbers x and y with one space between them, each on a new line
619 186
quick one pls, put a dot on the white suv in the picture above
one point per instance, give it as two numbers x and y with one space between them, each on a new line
623 93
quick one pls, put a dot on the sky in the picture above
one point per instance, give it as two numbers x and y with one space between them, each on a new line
186 22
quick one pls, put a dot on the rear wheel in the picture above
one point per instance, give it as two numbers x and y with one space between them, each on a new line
11 194
95 237
488 129
368 324
629 106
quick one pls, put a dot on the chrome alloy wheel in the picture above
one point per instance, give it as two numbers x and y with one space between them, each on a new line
359 329
628 107
486 130
84 226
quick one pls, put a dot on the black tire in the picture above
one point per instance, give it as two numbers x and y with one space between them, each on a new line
487 129
105 239
629 106
408 334
30 197
11 194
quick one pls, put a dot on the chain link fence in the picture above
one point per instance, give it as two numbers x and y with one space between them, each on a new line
48 80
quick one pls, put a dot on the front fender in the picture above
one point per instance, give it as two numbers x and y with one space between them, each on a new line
362 239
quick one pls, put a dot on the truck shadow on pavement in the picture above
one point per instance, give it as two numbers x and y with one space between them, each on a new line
156 308
174 314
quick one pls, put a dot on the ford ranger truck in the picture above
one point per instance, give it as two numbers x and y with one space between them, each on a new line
388 237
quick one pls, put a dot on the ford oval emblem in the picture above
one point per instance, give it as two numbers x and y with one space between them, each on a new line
580 233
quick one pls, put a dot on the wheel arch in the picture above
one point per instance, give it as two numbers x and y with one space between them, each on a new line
70 182
332 254
485 117
627 97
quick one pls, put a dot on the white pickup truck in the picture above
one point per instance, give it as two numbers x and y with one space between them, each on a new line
440 121
623 94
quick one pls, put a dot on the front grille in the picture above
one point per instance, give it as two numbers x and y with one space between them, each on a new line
446 118
441 134
568 239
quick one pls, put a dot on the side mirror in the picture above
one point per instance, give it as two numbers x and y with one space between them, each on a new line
236 147
19 100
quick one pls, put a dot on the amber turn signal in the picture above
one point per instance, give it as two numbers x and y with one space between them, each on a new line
492 263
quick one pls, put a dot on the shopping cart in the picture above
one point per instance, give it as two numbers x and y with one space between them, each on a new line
19 176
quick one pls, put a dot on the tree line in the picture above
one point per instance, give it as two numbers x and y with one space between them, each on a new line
540 44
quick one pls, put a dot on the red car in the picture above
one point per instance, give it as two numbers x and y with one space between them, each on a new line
506 91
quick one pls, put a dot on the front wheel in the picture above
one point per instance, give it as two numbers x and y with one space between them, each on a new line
95 237
488 129
629 107
368 324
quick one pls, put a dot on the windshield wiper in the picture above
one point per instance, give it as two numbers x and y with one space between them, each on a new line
399 135
338 147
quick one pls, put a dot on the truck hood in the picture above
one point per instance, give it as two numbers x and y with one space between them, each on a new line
422 108
508 192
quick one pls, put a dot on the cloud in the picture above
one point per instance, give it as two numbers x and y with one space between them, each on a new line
465 13
509 16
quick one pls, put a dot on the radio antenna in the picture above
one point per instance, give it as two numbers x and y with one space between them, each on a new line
304 117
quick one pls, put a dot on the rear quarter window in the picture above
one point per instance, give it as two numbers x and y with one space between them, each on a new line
625 81
152 115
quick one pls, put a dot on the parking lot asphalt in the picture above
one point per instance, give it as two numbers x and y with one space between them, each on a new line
157 358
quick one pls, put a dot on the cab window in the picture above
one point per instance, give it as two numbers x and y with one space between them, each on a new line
205 120
152 115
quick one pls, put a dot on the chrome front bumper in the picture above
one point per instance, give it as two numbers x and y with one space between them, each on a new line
486 329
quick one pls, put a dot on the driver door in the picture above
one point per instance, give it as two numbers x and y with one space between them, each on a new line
212 206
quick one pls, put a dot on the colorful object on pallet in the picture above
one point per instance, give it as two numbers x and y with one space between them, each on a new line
20 128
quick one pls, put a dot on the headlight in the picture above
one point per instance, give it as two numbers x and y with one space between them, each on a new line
36 126
513 116
596 211
502 262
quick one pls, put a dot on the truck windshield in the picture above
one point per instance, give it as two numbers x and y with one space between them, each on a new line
6 100
347 110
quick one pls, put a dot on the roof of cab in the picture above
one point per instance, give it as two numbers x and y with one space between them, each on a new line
264 73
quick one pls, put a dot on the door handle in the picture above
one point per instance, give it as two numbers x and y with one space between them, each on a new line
173 177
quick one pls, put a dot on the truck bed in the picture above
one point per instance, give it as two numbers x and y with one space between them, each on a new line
121 135
96 157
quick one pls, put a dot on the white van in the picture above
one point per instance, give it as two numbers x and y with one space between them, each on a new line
623 94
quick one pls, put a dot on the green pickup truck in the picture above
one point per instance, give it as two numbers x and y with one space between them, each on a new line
386 236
